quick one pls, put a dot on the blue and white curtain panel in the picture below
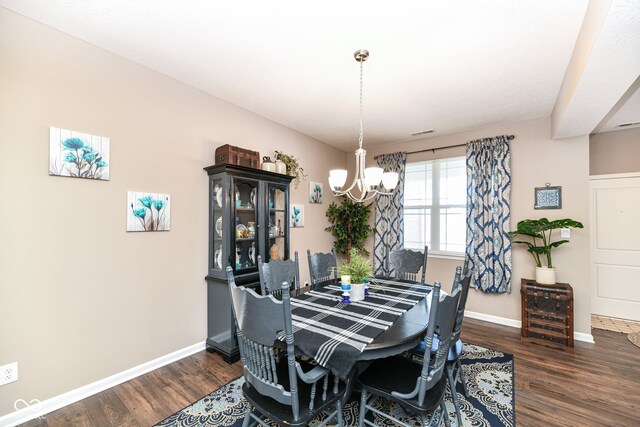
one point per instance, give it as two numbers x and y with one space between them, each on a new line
488 249
389 222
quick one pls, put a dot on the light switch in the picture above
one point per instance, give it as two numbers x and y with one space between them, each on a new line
565 233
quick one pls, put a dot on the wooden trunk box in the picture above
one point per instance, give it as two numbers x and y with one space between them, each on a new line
237 156
547 313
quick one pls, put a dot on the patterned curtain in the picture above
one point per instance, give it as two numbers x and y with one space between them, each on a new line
389 224
488 213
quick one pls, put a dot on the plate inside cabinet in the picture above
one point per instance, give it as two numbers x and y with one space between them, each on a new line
219 227
218 192
218 257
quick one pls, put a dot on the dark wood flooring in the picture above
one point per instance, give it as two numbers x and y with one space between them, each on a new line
597 385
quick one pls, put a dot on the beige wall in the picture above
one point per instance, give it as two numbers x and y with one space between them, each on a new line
535 160
81 298
614 152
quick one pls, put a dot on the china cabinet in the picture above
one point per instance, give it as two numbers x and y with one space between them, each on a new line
248 216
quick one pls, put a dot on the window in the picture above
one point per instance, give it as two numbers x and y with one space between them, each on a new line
435 201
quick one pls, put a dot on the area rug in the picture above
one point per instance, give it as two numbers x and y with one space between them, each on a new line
491 401
634 338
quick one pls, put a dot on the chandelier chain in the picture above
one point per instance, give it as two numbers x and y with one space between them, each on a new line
361 138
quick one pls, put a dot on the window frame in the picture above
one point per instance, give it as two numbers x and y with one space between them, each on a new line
435 208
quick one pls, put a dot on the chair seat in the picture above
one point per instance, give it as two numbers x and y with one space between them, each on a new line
281 413
399 374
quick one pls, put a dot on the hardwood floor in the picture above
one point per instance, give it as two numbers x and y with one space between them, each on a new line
597 385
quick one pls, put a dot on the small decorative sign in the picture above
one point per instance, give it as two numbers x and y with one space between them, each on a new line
548 197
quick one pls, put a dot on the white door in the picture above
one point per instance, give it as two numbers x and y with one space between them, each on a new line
615 245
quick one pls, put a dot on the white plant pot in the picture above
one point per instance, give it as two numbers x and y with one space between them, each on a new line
357 291
546 275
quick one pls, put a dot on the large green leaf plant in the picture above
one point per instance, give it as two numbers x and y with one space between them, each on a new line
540 233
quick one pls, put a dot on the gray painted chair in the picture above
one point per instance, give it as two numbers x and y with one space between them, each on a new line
274 272
284 391
418 387
322 266
454 367
406 263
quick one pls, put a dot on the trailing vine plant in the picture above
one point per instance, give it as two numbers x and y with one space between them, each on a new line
349 225
293 167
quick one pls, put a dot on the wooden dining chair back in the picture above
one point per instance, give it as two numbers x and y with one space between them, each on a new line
417 387
274 272
322 267
278 388
405 263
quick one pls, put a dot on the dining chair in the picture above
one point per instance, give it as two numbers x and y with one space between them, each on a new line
406 263
322 266
417 387
453 368
287 392
274 272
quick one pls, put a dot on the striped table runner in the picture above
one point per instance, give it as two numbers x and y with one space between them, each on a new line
335 334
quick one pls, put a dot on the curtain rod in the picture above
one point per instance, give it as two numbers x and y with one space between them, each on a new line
509 137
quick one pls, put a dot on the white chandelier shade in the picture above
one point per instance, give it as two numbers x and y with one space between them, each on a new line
370 181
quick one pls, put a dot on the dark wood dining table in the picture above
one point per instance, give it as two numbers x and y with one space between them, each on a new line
404 334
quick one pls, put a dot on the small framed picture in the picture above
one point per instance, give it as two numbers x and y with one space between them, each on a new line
548 197
316 192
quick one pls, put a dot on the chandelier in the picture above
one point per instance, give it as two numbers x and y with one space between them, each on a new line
370 181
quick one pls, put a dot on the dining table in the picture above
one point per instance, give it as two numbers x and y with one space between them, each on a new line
391 319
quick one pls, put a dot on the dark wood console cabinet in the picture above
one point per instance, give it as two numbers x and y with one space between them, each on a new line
248 216
547 313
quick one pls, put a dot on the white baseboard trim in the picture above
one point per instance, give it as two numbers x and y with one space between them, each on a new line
23 415
493 319
581 336
578 336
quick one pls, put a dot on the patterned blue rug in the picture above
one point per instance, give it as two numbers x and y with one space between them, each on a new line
491 400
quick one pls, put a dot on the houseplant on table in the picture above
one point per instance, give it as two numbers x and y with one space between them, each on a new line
540 244
359 269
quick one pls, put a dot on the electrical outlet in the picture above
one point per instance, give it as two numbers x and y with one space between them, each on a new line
565 233
9 373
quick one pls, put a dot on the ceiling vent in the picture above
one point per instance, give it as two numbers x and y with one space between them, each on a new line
424 132
624 125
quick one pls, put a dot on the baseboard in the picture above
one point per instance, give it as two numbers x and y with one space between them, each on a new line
578 336
493 319
23 415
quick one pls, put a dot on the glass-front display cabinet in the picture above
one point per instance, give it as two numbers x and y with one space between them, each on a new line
248 216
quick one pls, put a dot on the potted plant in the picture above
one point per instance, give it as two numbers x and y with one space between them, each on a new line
350 225
540 244
293 167
359 269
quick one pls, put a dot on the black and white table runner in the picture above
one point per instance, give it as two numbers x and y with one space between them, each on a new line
335 334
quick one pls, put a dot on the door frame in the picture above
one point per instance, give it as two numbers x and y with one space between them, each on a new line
592 220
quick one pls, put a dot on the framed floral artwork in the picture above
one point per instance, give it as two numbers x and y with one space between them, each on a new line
316 192
297 216
148 211
78 155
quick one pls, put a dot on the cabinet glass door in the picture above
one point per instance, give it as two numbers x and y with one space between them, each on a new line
216 240
278 224
244 193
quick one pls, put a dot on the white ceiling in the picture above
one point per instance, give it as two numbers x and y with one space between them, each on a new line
449 66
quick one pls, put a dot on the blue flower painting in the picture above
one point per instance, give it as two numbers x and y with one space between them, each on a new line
148 212
78 155
297 216
315 192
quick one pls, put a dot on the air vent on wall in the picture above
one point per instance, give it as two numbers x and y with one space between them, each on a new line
424 132
624 125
